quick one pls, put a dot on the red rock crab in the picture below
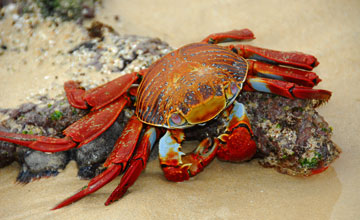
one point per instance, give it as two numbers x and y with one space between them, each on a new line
189 86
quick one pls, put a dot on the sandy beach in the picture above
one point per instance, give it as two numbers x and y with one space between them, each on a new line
329 30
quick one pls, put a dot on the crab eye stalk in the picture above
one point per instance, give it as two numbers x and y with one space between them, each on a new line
232 91
176 120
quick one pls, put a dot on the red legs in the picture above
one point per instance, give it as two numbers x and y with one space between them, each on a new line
266 75
83 131
234 35
101 95
96 183
95 123
107 100
284 81
128 157
40 143
132 131
270 71
294 59
137 164
286 89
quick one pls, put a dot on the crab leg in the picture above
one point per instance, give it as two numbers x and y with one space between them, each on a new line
107 100
234 35
236 143
40 143
74 94
101 95
137 164
293 59
83 131
96 122
286 89
178 166
116 163
96 183
265 70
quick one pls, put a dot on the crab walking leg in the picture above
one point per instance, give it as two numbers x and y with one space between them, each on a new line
236 144
286 89
230 36
82 131
96 122
137 164
300 77
116 163
101 95
75 94
178 166
96 183
293 59
40 143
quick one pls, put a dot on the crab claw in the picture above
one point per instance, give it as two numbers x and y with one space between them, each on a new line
178 166
236 144
239 146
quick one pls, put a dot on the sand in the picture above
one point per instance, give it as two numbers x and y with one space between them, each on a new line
327 29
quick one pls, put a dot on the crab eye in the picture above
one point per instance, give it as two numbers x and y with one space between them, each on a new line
231 91
176 119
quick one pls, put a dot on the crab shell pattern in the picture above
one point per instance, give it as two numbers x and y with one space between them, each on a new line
189 86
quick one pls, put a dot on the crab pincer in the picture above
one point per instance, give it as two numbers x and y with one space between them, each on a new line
178 166
236 143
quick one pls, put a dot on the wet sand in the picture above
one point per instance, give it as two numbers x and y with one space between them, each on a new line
328 30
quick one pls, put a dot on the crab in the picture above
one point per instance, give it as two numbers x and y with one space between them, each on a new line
193 85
